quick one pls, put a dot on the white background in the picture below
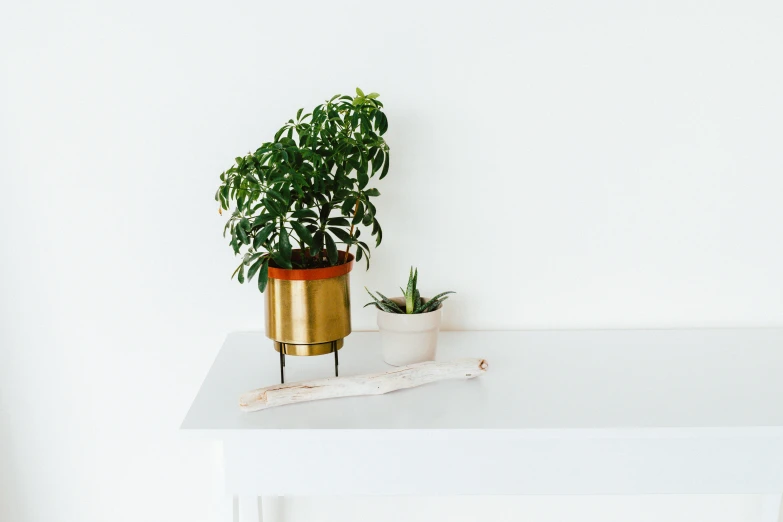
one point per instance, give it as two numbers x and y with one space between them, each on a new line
560 164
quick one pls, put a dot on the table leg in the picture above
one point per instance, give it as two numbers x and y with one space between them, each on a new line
272 508
252 508
771 510
249 509
224 505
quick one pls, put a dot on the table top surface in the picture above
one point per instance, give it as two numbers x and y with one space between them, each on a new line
583 379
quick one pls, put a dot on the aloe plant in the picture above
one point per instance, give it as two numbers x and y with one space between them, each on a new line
414 303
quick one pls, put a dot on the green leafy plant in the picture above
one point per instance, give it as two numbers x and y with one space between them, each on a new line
308 187
414 303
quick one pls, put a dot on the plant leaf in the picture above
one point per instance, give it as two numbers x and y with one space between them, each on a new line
325 211
390 303
241 234
304 213
237 270
409 293
280 260
254 268
263 235
385 167
359 214
338 222
303 233
285 245
341 234
331 249
318 241
263 275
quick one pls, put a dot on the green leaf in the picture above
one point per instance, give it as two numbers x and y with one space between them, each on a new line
377 161
359 214
304 212
303 233
261 219
380 304
254 268
361 174
359 92
325 211
318 241
273 207
285 244
263 275
281 261
341 234
367 219
338 222
241 276
432 304
376 229
331 249
412 299
242 235
390 303
366 257
442 294
347 206
278 196
385 168
263 235
373 95
373 192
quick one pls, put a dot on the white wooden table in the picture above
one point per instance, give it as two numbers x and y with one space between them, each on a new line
558 412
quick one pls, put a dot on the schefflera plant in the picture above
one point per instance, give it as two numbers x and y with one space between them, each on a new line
308 187
414 303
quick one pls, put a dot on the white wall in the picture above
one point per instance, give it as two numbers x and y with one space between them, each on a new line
560 164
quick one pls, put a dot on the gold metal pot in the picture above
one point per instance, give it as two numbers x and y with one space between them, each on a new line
308 312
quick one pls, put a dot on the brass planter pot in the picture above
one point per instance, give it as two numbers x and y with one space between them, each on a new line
308 312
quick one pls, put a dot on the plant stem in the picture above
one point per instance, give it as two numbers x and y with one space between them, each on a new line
348 246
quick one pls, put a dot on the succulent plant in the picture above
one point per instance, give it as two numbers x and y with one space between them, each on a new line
414 303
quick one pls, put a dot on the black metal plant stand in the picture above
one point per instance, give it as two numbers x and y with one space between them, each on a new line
282 361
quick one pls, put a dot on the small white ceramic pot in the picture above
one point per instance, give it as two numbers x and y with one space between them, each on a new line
408 338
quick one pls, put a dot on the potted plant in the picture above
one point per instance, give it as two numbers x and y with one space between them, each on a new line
409 324
292 202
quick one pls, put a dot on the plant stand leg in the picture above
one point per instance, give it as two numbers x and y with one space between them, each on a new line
336 361
282 363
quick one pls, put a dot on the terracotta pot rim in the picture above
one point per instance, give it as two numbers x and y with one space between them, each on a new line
313 274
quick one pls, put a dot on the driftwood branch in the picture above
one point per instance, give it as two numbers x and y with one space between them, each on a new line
371 384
